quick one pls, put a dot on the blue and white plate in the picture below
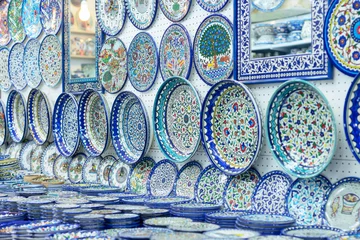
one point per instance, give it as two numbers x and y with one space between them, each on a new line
211 5
231 233
51 15
3 126
75 168
31 18
141 14
5 82
16 116
187 177
139 175
104 168
16 66
258 220
5 37
346 236
118 175
141 233
31 63
267 6
175 11
35 157
89 170
110 15
311 232
25 155
48 158
162 179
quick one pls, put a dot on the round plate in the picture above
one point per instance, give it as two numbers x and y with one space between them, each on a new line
4 26
296 111
141 233
165 221
89 170
311 232
175 52
176 117
31 63
305 199
214 65
267 6
75 168
231 233
39 116
112 65
5 83
270 193
239 190
175 10
210 185
212 5
265 220
141 14
233 138
130 128
193 227
48 158
31 18
142 62
104 169
3 125
16 27
16 116
35 158
110 15
187 177
162 179
25 154
93 122
61 166
16 66
118 175
346 236
65 124
50 60
51 15
139 175
14 150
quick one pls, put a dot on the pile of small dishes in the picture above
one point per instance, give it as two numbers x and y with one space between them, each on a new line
194 211
60 208
33 207
90 221
142 233
93 206
105 211
127 220
105 200
46 211
165 202
125 208
69 214
225 219
165 221
151 213
43 232
312 232
12 203
20 230
121 196
7 216
197 227
281 30
135 200
265 31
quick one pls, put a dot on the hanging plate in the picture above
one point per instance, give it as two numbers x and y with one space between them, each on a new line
187 177
48 158
162 179
16 67
75 168
61 166
31 18
119 173
16 116
31 63
4 25
5 83
267 6
110 15
89 170
16 28
3 125
51 15
104 169
35 158
139 175
141 13
25 154
175 10
14 151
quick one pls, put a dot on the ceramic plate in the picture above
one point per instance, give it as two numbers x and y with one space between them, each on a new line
142 62
130 127
25 155
31 63
75 168
110 15
16 67
39 116
16 27
162 179
210 185
270 193
93 122
165 221
231 233
346 236
141 233
176 117
48 158
50 60
16 116
65 124
51 15
267 6
212 5
35 158
175 52
5 83
233 138
112 65
194 227
311 232
104 169
139 175
214 65
31 18
305 199
239 190
4 26
187 177
177 236
274 237
61 166
89 170
175 10
141 14
296 111
3 125
118 175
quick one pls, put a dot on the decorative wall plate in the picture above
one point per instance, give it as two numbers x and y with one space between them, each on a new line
16 67
212 5
31 18
118 175
5 83
233 138
175 10
110 15
39 116
139 175
311 232
90 169
104 169
14 19
210 185
25 155
51 15
142 62
48 158
61 166
162 179
16 116
4 25
130 127
187 177
112 65
14 150
35 158
141 14
214 64
175 52
93 122
267 6
176 117
31 63
305 199
269 196
50 60
3 125
239 190
75 168
65 124
296 111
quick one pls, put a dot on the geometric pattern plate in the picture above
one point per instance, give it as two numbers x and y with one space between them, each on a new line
162 179
187 177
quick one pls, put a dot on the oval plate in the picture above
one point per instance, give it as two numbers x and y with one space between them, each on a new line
162 179
89 170
175 11
61 166
31 18
16 116
211 5
25 154
311 232
16 66
48 158
51 15
119 173
141 14
4 25
36 156
16 27
75 168
5 82
3 125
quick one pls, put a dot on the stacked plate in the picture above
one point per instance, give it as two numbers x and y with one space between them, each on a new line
165 202
43 232
142 233
20 230
106 211
121 195
127 220
125 208
194 211
90 221
105 200
135 200
12 203
165 221
33 208
93 206
7 216
60 208
151 213
96 191
69 214
225 219
47 212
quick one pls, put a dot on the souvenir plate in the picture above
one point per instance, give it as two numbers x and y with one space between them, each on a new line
231 233
165 221
269 196
25 154
39 116
35 158
311 232
142 62
75 168
239 190
4 26
14 150
16 116
16 27
31 63
296 111
266 220
141 233
65 124
162 179
139 175
141 14
194 227
112 65
233 139
31 18
93 122
187 177
267 6
212 5
89 170
175 10
104 169
16 67
110 15
3 125
118 175
176 117
48 158
5 83
175 52
305 199
50 60
51 15
214 64
210 185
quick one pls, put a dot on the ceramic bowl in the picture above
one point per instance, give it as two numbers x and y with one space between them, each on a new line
265 39
281 27
306 29
294 36
281 38
295 25
264 29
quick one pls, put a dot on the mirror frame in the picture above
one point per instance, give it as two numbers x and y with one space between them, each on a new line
314 66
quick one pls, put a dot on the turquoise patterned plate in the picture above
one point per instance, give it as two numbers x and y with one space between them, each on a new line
4 25
31 18
15 21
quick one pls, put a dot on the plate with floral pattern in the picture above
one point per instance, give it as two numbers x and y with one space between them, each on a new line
141 13
214 64
139 175
4 25
187 177
175 10
175 52
25 155
233 138
142 62
90 169
31 63
305 199
118 175
176 117
35 158
65 124
48 158
301 129
15 21
104 168
61 166
16 116
31 18
51 15
162 179
75 167
5 82
110 15
212 5
50 60
14 150
16 66
311 232
267 6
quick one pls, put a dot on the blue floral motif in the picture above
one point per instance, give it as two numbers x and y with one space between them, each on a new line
342 41
356 55
341 20
356 5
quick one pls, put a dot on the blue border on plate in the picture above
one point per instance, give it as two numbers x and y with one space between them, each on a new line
22 62
39 16
164 161
11 84
42 162
6 130
10 117
61 16
100 22
132 167
209 9
168 16
283 232
27 61
155 2
11 37
103 159
72 159
83 174
22 152
111 168
192 163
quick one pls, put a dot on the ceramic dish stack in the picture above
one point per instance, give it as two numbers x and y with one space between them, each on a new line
164 222
11 216
225 219
127 220
135 201
33 207
60 208
194 211
105 200
99 190
69 214
90 221
13 203
165 202
93 206
125 208
44 232
47 212
20 230
151 213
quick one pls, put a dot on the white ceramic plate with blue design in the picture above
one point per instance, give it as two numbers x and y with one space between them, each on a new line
89 170
187 177
31 63
110 15
48 159
16 116
16 66
75 168
31 18
61 166
118 175
311 232
212 5
104 169
162 179
51 15
141 13
25 155
5 82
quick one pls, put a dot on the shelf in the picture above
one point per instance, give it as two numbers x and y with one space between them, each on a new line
82 32
281 47
82 57
257 16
